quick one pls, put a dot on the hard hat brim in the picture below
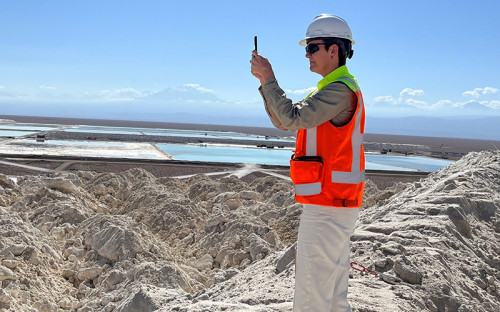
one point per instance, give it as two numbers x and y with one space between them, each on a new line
303 42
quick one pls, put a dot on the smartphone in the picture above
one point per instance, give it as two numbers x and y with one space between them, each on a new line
255 43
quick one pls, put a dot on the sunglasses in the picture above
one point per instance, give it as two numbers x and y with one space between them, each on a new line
313 47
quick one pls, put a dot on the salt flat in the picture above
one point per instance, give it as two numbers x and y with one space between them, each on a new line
131 150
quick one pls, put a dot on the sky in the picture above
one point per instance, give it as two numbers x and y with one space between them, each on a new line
171 58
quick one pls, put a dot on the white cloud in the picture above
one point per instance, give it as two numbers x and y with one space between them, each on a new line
481 93
125 94
406 97
474 93
47 88
462 104
197 87
425 105
412 92
494 104
14 96
443 102
2 87
385 98
491 104
489 90
477 92
417 103
301 91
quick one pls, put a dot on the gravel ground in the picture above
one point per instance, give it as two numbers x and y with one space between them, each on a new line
157 170
382 180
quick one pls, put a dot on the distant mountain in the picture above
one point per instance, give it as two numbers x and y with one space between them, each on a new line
476 109
186 93
469 127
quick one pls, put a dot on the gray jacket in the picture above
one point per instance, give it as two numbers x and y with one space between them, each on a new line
335 102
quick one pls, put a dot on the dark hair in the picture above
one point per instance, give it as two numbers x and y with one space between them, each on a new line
345 47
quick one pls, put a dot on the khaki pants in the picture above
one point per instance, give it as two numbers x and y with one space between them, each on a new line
322 267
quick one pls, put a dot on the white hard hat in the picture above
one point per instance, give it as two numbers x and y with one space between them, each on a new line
326 25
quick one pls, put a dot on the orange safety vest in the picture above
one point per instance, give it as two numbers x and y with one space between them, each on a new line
328 167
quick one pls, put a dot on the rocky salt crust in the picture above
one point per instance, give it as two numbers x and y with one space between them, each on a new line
131 242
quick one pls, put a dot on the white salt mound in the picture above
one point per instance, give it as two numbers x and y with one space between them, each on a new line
132 242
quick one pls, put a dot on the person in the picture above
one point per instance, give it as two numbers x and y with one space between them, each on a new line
328 165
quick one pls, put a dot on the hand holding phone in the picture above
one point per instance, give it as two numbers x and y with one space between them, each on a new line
261 68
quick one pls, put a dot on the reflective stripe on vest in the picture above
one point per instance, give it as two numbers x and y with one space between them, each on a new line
348 177
308 189
311 150
355 176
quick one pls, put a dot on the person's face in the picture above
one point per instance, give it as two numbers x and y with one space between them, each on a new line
322 61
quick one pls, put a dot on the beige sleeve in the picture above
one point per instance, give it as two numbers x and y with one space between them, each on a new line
335 102
271 114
